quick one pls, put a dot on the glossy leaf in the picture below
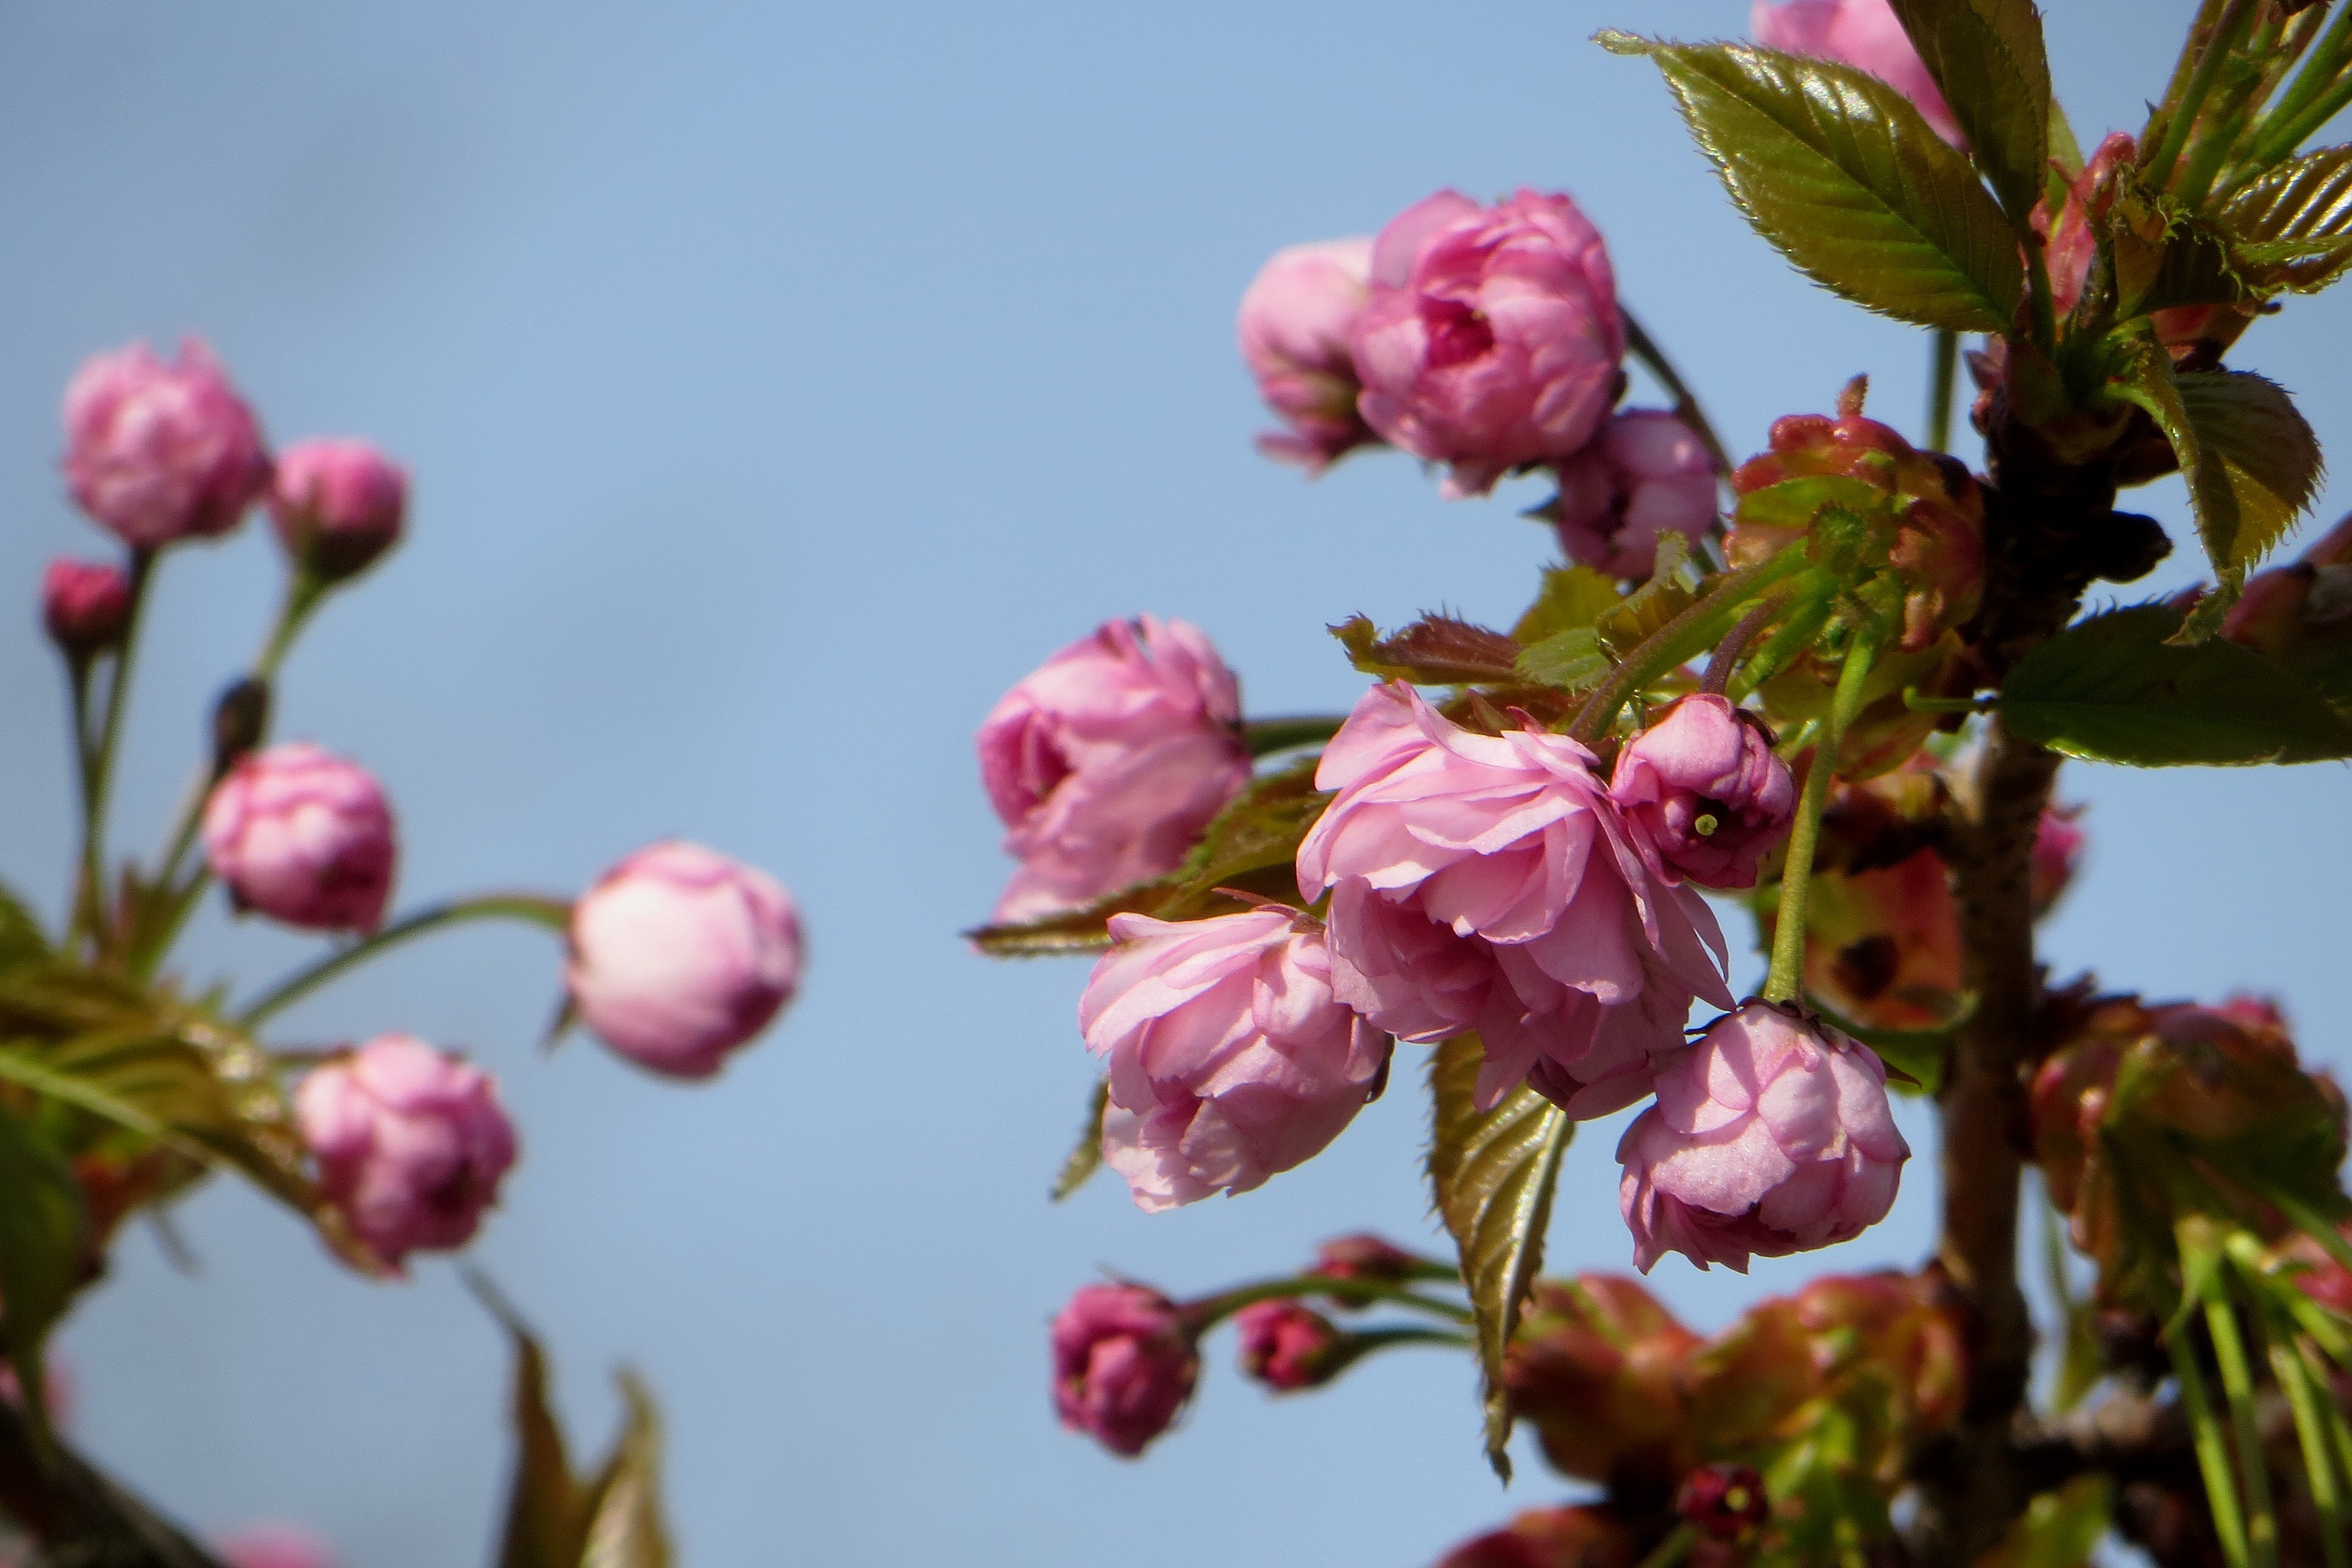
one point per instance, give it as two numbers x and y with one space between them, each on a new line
1570 660
2180 261
1838 171
1987 59
2293 226
41 1249
2116 688
1491 1175
2268 458
1086 1155
1435 650
1627 624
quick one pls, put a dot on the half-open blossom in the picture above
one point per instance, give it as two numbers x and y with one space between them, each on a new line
1298 333
1702 794
678 956
1124 1364
1864 34
1646 474
1107 761
1286 1346
157 453
1772 1135
85 604
411 1143
337 504
268 1543
1488 883
1230 1059
1492 338
304 837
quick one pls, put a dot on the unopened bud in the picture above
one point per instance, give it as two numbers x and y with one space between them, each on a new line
240 719
1288 1347
1725 1501
1368 1257
86 605
337 504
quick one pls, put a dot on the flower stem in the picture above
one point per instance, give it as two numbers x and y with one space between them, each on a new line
1735 642
2213 1457
1654 359
1210 1311
1943 374
534 908
2281 127
1680 637
1786 981
2296 1375
100 775
1263 737
2181 116
2253 1466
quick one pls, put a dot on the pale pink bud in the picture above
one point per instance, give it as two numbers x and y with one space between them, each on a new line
1644 475
1230 1059
1286 1346
1124 1364
304 837
1297 332
268 1543
86 605
1492 338
2057 853
1702 794
1488 883
679 955
337 504
1864 34
1107 761
411 1143
157 453
1770 1136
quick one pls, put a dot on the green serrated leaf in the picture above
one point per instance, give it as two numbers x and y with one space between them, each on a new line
2114 688
1572 660
1491 1175
1086 1155
41 1244
1839 172
2182 261
1988 59
1571 597
2293 226
1435 650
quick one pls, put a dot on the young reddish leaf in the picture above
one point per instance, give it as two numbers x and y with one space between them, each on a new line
1435 650
1988 59
1838 171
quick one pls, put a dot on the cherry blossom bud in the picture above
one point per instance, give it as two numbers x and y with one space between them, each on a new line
1297 334
1229 1058
60 1389
1107 761
1124 1364
1646 474
1772 1135
1725 1501
86 605
1596 1367
411 1143
1288 1347
156 453
304 837
1702 794
1492 338
1585 1535
339 504
2071 238
269 1544
1488 883
2319 1275
1864 34
1368 1257
2057 853
679 955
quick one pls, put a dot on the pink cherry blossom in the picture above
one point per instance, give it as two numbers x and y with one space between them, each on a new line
1702 794
1230 1059
1646 474
1492 338
1864 34
1488 883
1772 1135
337 504
1286 1346
1107 761
1124 1364
85 604
157 453
268 1543
1298 331
304 837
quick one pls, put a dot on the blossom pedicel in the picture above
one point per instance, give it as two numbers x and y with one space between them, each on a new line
1702 794
1644 475
85 604
1124 1364
304 837
337 505
157 453
1297 332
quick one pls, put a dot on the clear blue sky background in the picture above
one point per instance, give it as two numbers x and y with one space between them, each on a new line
781 383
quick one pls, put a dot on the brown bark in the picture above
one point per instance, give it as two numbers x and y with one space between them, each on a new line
79 1516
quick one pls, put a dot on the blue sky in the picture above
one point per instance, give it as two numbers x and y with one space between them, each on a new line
781 383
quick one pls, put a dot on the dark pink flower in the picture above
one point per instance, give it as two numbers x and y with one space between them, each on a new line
337 504
1107 761
1702 794
1298 331
1124 1364
1488 883
1771 1136
269 1544
1286 1346
1864 34
1644 475
1492 338
1230 1059
157 453
85 604
304 837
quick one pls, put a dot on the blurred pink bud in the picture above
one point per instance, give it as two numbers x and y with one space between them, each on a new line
86 605
1108 761
2057 854
2320 1277
339 504
269 1544
1644 475
1492 338
157 453
1286 1346
1230 1059
1124 1364
1771 1136
1486 882
1297 329
60 1390
411 1143
679 955
1702 794
1725 1501
304 837
1367 1257
1864 34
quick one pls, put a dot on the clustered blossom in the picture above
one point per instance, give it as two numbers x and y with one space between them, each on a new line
1644 475
1107 761
1124 1364
304 837
337 504
1864 34
680 955
1702 795
1229 1058
160 452
1488 883
1297 332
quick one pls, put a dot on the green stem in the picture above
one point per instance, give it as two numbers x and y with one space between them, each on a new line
1210 1311
2212 1458
554 914
1363 1342
1682 637
2253 1466
2182 116
1673 1549
1686 408
2224 121
1945 372
1787 979
109 738
2304 1397
2320 73
85 889
2290 136
2199 30
1263 737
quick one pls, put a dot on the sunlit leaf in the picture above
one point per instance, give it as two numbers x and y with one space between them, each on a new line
1086 1155
1570 660
2293 226
1571 597
1435 650
1988 59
